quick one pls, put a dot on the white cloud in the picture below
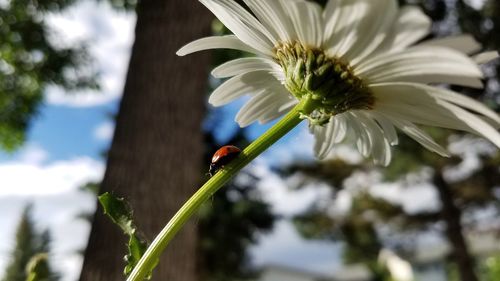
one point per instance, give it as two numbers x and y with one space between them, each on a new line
33 154
110 35
104 131
414 194
470 148
69 265
476 4
22 178
53 188
4 4
419 197
284 246
286 202
342 203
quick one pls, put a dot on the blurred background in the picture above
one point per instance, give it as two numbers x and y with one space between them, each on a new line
71 71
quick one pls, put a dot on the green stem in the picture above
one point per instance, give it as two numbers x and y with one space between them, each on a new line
152 254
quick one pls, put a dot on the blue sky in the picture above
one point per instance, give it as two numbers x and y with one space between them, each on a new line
67 132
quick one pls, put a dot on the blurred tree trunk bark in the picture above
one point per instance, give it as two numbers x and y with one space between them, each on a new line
451 214
156 153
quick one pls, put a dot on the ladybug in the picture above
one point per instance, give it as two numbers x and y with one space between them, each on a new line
223 156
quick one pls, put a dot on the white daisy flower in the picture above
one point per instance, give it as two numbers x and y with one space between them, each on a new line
357 65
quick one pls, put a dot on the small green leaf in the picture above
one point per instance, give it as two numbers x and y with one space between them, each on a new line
136 249
120 213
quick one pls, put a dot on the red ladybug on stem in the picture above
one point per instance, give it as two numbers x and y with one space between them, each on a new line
222 157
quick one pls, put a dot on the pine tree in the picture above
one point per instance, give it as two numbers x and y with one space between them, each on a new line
24 249
29 243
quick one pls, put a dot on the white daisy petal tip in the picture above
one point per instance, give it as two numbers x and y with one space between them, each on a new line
241 123
242 66
215 42
319 156
183 51
211 101
463 43
485 57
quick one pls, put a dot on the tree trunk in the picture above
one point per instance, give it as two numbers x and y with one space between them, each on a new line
155 156
451 214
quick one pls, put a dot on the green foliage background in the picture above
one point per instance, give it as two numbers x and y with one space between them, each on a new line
30 61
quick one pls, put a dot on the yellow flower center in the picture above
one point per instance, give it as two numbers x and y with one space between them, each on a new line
327 81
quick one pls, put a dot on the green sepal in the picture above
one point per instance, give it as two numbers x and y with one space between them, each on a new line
121 214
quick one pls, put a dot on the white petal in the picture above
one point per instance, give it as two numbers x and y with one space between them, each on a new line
426 114
411 25
278 109
307 21
215 42
346 15
364 141
462 43
417 105
250 112
360 27
389 131
437 78
445 115
273 113
323 136
244 65
264 103
418 135
423 104
399 92
424 65
240 85
485 57
475 122
411 56
340 128
331 15
400 89
319 138
327 136
272 15
381 151
372 31
246 27
462 101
